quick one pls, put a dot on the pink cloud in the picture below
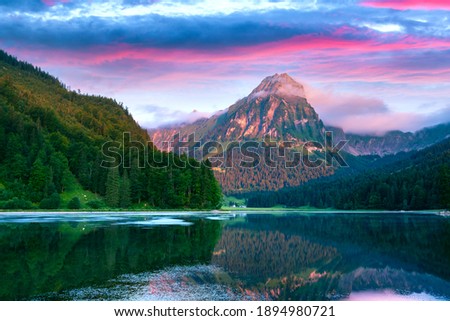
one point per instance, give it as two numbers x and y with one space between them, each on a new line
331 57
368 115
379 123
355 67
335 105
54 2
409 4
327 45
325 58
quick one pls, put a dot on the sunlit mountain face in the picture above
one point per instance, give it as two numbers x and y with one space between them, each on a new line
366 66
277 113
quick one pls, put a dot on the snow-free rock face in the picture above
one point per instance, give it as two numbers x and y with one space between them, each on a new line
391 142
278 85
276 108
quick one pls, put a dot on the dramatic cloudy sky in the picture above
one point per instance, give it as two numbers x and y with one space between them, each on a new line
368 66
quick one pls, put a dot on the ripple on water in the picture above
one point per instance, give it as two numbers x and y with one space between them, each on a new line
158 222
179 283
391 295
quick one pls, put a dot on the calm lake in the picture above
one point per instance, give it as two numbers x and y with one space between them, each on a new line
236 256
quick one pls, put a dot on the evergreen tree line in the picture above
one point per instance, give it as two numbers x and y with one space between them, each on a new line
420 181
157 186
237 179
50 143
27 67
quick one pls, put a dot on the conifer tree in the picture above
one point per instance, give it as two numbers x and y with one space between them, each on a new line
125 191
38 181
112 197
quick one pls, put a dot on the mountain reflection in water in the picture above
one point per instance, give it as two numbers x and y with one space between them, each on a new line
329 256
290 256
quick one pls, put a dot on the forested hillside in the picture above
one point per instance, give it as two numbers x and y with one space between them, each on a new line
50 142
420 181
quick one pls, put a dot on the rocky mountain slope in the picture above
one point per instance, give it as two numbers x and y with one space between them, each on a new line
392 142
277 107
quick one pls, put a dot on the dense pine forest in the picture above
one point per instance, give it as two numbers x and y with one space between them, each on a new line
51 142
420 180
239 179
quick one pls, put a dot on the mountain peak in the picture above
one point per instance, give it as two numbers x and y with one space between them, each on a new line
280 85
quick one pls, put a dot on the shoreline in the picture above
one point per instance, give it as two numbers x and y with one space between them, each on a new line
222 211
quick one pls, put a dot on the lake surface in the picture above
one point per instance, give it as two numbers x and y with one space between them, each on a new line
236 256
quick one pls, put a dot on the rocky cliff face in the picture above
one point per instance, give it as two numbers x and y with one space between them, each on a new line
277 107
392 142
